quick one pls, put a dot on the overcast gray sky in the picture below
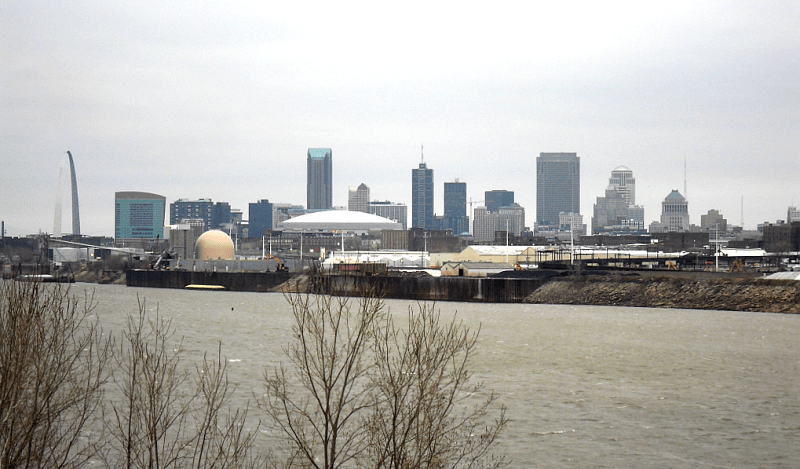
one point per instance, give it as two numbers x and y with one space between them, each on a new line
221 100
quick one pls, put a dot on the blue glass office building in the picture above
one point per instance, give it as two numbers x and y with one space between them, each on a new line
422 197
139 215
455 207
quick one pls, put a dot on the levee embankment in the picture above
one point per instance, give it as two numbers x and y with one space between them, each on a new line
757 295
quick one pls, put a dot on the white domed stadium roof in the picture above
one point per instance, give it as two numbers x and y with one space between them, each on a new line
339 220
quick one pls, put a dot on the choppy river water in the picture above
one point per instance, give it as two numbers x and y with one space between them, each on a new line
585 386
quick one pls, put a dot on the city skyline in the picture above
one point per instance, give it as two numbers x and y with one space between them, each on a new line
194 101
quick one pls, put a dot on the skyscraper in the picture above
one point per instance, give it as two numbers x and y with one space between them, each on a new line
201 209
260 218
622 181
616 213
358 199
139 215
319 187
496 199
422 197
558 186
455 207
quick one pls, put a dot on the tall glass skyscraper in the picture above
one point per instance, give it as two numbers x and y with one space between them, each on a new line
455 207
558 186
319 188
422 197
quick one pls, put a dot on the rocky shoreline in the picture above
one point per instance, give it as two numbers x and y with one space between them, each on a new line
755 295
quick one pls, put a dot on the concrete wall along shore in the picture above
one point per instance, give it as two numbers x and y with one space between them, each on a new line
233 281
423 288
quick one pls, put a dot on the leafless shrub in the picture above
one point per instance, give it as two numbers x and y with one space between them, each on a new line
53 365
425 413
361 391
318 402
164 422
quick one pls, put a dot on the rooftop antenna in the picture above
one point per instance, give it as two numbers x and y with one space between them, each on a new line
685 192
421 154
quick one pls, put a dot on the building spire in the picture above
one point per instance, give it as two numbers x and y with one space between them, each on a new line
421 153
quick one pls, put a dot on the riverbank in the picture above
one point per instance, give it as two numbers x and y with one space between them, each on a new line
755 295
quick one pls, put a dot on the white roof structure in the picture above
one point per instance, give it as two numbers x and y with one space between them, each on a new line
394 259
339 220
784 276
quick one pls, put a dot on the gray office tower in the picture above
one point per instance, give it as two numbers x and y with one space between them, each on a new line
558 186
496 199
320 179
422 197
455 207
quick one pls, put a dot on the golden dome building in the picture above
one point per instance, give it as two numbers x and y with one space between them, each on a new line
214 244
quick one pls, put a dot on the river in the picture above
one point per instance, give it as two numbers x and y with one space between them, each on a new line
585 386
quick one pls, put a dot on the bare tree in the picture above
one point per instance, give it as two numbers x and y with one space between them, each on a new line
360 390
318 403
164 422
426 413
53 365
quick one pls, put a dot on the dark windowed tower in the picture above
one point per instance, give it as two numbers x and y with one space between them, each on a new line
496 199
182 209
422 197
455 207
320 177
558 186
260 218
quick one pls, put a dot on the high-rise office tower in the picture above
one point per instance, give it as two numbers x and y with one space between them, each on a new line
616 213
139 215
422 197
622 181
358 199
221 215
183 209
319 188
455 207
558 186
496 199
260 218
